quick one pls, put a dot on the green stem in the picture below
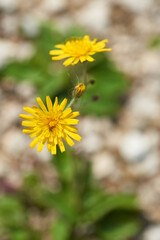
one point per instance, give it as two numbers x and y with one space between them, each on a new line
85 73
71 102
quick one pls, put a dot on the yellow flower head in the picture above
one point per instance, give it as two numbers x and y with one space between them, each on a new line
50 125
79 90
79 49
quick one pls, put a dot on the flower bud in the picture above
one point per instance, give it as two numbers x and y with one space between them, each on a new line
79 90
91 81
95 98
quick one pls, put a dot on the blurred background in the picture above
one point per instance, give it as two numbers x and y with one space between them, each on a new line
109 188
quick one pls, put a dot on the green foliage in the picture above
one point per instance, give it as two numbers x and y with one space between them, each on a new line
53 79
82 209
155 42
61 230
119 225
99 204
110 85
14 220
11 212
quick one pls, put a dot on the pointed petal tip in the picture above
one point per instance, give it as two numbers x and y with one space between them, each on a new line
80 138
38 98
24 107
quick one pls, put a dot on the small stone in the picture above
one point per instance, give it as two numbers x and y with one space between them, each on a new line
136 5
94 15
30 25
103 165
10 111
152 233
9 5
44 155
14 142
136 145
144 106
25 90
92 131
4 164
12 50
149 63
54 6
149 167
92 143
10 25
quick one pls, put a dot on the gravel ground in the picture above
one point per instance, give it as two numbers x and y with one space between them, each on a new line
125 155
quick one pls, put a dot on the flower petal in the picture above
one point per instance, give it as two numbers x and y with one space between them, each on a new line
26 117
73 135
34 142
28 124
53 149
75 61
56 52
61 145
71 128
60 57
68 61
70 121
63 104
27 130
40 146
29 110
55 106
83 59
90 59
59 45
66 112
41 104
49 104
68 140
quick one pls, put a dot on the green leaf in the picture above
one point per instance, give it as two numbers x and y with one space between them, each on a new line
25 234
12 214
19 235
65 165
97 205
53 84
34 193
65 203
75 31
61 230
110 85
119 225
155 42
23 71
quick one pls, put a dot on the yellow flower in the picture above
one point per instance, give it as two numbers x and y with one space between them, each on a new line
50 125
79 90
79 49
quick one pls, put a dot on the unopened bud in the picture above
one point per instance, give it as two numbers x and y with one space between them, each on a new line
95 98
79 90
92 81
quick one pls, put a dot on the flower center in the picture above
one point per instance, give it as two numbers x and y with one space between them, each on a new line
82 49
52 124
78 48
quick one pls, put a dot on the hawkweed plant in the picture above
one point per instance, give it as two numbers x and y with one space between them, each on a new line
55 122
83 210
